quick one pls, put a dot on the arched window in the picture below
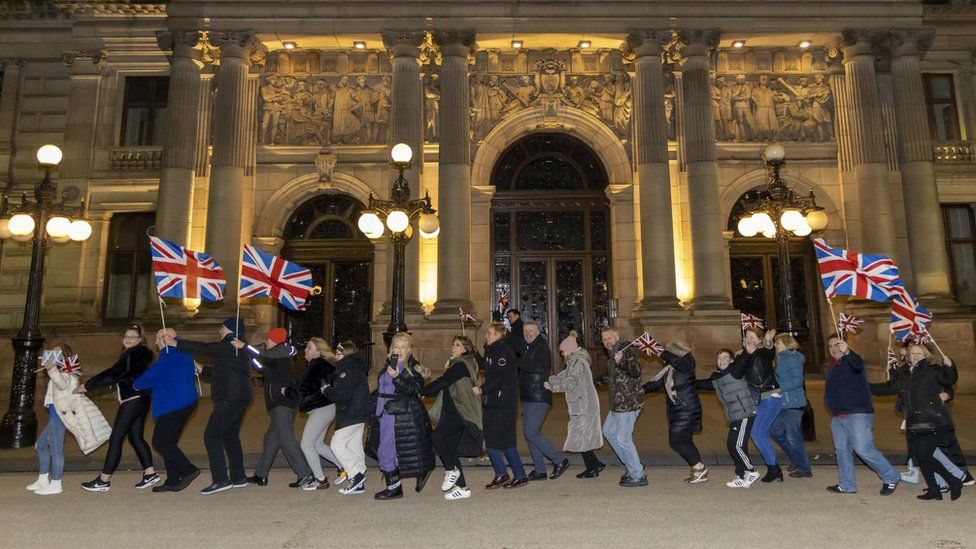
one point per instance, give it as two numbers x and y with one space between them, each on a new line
325 217
549 162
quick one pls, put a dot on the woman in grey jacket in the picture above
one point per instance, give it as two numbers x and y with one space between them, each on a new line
786 429
732 391
584 433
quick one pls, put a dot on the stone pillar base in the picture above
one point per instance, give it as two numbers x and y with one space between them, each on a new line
658 303
446 307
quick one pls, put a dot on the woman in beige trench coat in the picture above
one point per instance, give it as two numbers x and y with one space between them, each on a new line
585 433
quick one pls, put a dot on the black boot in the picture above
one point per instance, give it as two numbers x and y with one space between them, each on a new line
422 480
393 489
773 474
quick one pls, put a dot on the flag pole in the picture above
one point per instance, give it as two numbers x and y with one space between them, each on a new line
888 370
237 315
833 320
926 332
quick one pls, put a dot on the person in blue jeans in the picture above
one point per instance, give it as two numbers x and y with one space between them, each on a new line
848 398
755 365
626 395
786 429
499 398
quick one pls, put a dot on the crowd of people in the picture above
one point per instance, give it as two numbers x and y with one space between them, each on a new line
476 411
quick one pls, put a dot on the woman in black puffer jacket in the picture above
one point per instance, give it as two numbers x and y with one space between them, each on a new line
399 434
684 408
321 411
130 420
927 417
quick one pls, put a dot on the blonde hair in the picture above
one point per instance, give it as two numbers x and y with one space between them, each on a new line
321 345
925 350
677 347
404 338
756 332
498 328
787 340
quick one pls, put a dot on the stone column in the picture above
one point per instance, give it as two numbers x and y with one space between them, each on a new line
867 145
229 181
406 117
923 219
175 196
85 70
9 103
454 175
653 171
700 160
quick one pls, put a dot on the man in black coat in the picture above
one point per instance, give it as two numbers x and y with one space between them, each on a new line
535 366
231 391
516 331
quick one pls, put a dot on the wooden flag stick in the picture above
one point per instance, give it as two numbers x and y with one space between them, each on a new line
833 320
936 344
888 370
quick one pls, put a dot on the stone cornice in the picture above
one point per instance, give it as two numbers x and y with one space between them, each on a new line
157 9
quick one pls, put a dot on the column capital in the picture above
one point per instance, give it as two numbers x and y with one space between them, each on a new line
182 43
84 61
646 42
908 42
693 42
240 44
855 42
455 43
12 62
404 43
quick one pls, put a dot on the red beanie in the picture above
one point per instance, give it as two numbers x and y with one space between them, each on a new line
278 335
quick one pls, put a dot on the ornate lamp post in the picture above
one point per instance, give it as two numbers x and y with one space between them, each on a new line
54 222
778 212
398 214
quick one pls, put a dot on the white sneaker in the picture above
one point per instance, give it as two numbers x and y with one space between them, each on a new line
752 476
910 476
698 475
458 493
341 478
53 488
450 479
41 482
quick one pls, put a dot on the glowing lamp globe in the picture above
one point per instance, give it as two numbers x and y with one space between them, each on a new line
21 224
817 220
791 219
746 227
397 221
401 153
429 225
774 153
5 228
58 227
803 229
367 222
769 232
80 230
49 155
763 222
60 239
23 237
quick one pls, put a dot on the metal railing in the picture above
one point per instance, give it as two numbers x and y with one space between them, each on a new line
955 151
136 159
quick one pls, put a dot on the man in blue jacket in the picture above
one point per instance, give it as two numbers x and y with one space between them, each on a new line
174 398
848 397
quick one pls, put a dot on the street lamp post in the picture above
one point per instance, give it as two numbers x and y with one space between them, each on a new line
398 214
42 219
778 212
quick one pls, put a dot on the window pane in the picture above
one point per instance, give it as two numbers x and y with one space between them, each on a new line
598 231
944 116
960 221
502 285
940 86
748 290
136 128
550 230
125 234
964 268
119 285
569 299
502 232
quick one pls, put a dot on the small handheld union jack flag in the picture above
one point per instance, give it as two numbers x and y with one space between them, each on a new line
502 302
751 321
849 323
70 365
264 275
892 358
465 317
873 277
648 345
185 273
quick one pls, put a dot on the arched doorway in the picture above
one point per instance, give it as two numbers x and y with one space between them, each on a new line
754 265
322 235
551 236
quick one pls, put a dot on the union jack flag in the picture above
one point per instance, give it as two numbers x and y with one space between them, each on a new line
908 317
849 323
184 273
502 302
465 317
648 345
750 321
892 358
264 275
873 277
70 365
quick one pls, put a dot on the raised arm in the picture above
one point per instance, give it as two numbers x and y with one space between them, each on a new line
453 374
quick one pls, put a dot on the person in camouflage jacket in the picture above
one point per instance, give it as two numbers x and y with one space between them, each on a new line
623 380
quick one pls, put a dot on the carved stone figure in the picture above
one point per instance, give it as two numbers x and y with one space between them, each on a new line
345 124
767 126
742 109
364 110
820 97
299 114
522 94
432 101
274 103
606 98
722 109
321 123
621 105
382 99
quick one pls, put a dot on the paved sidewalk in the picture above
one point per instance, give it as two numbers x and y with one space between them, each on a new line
650 434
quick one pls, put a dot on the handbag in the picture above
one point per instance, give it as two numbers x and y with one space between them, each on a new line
396 406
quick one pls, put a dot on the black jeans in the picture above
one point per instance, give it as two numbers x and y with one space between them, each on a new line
925 443
738 445
165 440
129 422
683 443
281 436
446 438
223 434
590 460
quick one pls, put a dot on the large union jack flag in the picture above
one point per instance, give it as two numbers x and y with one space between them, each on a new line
184 273
867 276
908 317
264 275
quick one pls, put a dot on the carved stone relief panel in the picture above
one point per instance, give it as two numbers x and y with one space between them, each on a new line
780 95
506 83
321 98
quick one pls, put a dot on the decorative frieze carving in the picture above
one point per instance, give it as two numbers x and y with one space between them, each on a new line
96 57
552 80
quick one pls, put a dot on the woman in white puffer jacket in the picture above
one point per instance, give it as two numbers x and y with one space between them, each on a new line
66 410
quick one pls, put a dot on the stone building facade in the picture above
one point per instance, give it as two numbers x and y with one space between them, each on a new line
587 160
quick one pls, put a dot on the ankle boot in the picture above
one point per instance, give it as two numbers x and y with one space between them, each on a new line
773 474
422 480
393 489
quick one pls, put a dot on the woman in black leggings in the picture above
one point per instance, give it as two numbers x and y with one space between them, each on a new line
458 416
133 406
